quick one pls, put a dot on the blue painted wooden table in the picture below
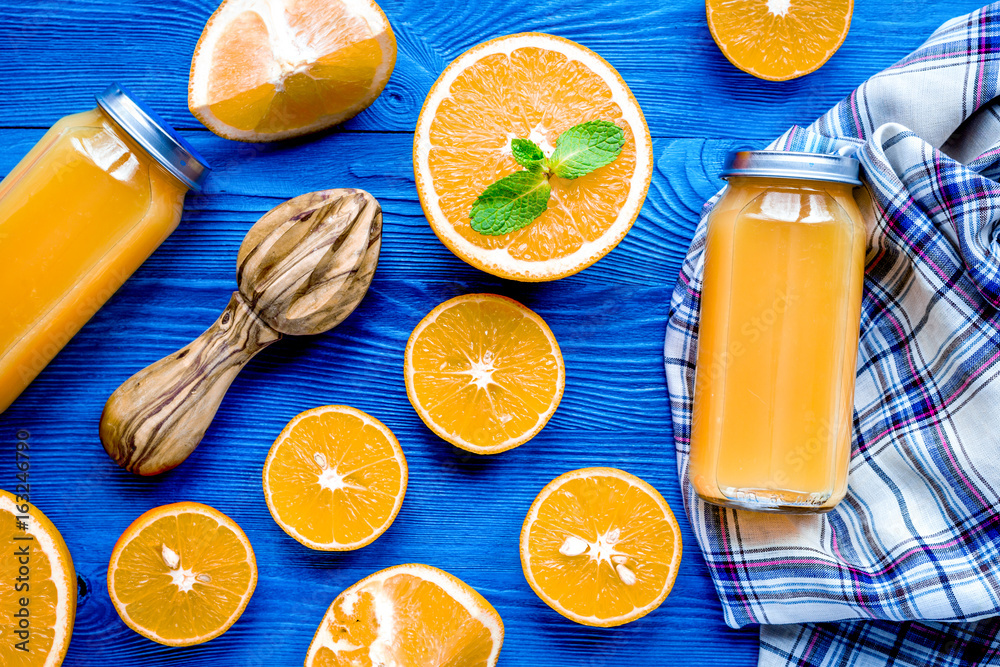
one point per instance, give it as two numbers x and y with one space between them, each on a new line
462 513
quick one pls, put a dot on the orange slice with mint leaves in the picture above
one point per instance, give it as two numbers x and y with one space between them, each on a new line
530 87
265 70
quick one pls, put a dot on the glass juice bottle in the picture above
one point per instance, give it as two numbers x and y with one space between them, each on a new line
78 214
777 343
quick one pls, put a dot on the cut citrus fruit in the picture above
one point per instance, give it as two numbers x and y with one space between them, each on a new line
408 615
182 574
484 372
335 478
271 69
531 86
779 40
38 596
600 546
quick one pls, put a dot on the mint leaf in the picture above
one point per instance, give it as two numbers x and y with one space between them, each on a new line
526 152
511 203
585 147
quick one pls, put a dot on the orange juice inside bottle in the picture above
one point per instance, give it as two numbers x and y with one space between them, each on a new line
78 215
780 311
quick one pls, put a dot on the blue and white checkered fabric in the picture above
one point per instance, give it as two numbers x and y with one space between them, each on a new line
906 570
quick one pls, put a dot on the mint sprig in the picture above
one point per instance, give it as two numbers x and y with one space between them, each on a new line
516 200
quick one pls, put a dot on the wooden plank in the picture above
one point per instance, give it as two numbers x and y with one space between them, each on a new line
58 54
249 182
609 322
462 512
614 413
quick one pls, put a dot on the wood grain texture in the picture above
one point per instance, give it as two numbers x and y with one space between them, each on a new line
248 180
302 268
309 261
663 50
156 418
462 512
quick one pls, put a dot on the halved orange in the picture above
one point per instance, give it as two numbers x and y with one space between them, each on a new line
600 546
532 86
36 568
484 372
182 574
335 478
779 40
271 69
408 615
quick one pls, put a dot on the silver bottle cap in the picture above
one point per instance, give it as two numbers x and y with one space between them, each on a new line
154 134
784 164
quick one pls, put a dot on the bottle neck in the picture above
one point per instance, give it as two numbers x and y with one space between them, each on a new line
138 149
771 182
157 138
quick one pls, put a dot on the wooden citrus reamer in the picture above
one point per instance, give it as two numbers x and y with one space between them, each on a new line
302 268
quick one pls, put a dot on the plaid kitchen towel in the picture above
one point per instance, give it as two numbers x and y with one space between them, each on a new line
906 570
